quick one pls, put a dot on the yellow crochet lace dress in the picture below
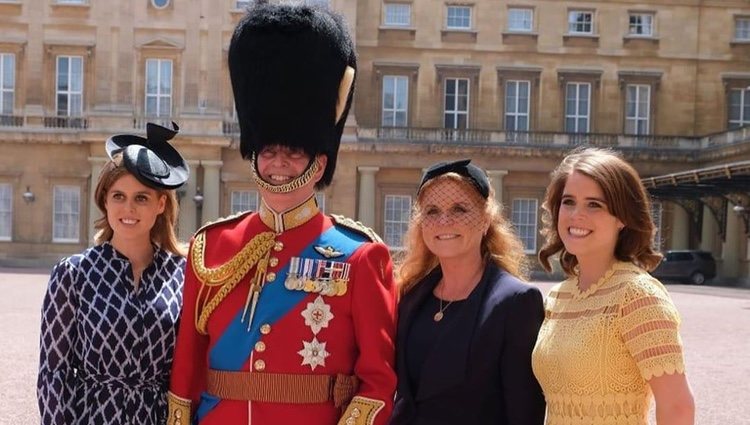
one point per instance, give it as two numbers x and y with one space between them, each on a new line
596 349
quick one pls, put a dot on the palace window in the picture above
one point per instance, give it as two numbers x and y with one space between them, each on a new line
244 200
158 87
637 108
517 105
69 93
580 22
458 18
397 15
66 213
6 212
456 101
577 107
520 20
7 82
739 107
641 24
742 28
524 218
395 101
396 219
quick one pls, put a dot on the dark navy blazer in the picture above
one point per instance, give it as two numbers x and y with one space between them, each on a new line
479 371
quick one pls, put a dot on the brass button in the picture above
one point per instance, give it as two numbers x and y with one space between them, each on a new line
270 277
273 261
260 364
265 329
278 246
260 346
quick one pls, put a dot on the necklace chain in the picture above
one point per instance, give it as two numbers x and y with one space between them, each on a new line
439 315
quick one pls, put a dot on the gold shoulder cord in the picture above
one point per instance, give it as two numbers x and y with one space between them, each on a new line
227 275
357 227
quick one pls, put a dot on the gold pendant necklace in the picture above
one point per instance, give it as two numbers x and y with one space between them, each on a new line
439 315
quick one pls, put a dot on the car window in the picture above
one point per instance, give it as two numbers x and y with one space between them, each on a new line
706 256
682 256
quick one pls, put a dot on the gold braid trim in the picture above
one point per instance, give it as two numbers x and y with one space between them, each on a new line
361 411
227 276
293 185
357 227
178 410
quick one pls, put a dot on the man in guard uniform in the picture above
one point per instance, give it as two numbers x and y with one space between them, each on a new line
289 314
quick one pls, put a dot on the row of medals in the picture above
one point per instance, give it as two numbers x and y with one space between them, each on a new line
328 287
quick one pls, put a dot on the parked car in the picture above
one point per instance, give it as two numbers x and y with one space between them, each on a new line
689 266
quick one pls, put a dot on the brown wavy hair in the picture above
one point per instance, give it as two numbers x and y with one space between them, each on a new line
163 232
625 196
500 244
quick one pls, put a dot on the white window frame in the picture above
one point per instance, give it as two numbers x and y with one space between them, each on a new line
520 19
71 201
657 210
7 83
742 116
742 28
320 198
6 212
456 113
645 26
451 21
513 107
159 96
243 200
392 224
641 109
397 14
573 22
576 115
242 4
71 92
322 3
398 85
71 1
524 218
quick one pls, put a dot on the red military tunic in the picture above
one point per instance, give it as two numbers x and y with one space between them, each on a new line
336 317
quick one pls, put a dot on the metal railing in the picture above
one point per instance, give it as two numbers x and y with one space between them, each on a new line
66 122
11 121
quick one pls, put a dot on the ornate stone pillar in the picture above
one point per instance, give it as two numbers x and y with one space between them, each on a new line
211 189
97 162
680 227
731 247
366 203
496 180
188 210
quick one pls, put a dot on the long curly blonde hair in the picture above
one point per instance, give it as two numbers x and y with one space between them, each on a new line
500 244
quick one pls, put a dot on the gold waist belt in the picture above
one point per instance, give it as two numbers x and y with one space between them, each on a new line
282 387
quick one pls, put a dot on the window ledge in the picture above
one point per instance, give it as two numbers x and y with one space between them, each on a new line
396 28
458 31
531 34
84 5
740 42
10 2
580 35
640 37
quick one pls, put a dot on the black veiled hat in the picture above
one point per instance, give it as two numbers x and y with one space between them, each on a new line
152 160
286 63
462 167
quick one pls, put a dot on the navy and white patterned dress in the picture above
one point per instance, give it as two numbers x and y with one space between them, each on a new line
106 349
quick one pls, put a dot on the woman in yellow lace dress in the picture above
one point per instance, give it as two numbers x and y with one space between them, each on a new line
610 339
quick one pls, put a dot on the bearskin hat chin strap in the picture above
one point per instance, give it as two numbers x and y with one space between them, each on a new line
293 185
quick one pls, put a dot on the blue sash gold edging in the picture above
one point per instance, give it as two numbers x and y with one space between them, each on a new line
236 344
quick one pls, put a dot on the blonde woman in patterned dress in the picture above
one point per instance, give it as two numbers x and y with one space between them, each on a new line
610 340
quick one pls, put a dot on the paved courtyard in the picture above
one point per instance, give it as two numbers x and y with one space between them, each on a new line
716 332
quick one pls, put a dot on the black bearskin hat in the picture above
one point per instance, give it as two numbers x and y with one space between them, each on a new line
286 63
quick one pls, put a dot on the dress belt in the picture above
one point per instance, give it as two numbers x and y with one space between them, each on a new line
282 387
134 383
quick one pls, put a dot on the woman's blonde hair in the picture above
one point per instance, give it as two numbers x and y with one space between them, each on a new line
163 231
626 199
500 244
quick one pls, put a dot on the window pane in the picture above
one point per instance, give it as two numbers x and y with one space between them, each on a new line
520 19
524 218
459 17
152 72
396 214
6 211
165 79
62 73
76 74
8 69
66 214
398 14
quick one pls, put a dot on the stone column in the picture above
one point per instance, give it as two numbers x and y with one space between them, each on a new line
731 247
709 231
496 180
680 228
188 210
366 204
97 162
211 189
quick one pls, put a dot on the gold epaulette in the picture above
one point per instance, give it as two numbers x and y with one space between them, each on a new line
226 276
357 227
221 220
178 412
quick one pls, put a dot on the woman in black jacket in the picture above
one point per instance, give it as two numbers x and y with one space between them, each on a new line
467 324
